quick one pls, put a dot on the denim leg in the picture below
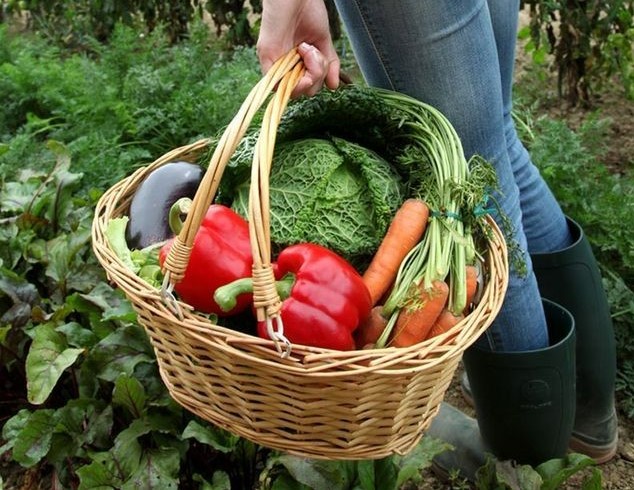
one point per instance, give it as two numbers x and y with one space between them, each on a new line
543 221
445 54
542 218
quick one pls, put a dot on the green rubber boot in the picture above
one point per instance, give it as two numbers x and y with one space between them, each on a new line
571 278
524 401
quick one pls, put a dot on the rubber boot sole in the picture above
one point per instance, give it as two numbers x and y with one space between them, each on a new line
601 454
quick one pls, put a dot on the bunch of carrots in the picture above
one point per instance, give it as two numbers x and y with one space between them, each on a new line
424 275
426 311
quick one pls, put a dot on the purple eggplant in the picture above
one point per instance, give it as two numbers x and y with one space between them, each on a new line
151 203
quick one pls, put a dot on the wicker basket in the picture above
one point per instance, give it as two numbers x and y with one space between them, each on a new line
314 402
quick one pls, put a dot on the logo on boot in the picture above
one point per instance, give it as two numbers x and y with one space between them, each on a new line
535 394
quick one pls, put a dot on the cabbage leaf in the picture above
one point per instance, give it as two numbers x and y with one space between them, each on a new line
329 191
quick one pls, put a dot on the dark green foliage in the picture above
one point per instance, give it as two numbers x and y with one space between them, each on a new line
236 20
136 99
351 113
550 475
602 201
75 23
591 41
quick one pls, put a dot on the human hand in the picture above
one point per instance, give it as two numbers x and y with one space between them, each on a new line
302 23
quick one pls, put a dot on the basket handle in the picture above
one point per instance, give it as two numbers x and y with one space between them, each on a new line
286 70
266 299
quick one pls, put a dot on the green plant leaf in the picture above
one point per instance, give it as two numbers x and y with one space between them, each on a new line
18 289
120 352
377 474
33 442
488 477
99 428
115 235
317 474
594 481
46 361
286 482
524 32
419 458
15 197
129 393
99 299
113 303
158 396
367 479
158 469
217 438
3 333
540 56
14 241
102 306
65 257
556 471
121 311
85 422
127 450
522 477
12 428
78 336
101 474
219 481
64 183
24 296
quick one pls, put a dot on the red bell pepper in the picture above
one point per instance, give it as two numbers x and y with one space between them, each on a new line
221 254
323 297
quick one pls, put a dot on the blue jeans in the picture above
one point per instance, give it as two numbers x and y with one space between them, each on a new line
459 56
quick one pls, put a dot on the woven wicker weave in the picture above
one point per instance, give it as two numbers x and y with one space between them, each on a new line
315 402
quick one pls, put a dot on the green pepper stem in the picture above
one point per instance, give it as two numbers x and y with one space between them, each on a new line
285 285
226 297
180 207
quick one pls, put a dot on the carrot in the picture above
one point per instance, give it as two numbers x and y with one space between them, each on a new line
405 231
472 285
415 321
445 321
370 329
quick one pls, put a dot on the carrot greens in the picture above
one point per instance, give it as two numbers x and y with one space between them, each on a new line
452 188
